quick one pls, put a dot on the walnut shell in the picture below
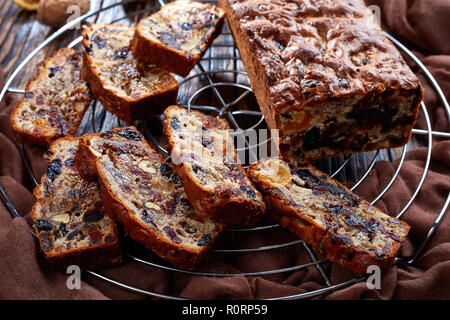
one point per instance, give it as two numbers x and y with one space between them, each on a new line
56 13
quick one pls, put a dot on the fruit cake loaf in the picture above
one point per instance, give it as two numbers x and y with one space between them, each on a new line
345 228
176 37
67 215
55 100
142 192
325 75
206 161
126 88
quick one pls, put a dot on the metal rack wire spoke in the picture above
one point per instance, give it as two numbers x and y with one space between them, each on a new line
372 164
217 274
196 85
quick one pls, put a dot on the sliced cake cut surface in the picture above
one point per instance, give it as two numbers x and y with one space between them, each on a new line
345 228
325 75
55 100
67 215
177 36
141 191
126 88
205 159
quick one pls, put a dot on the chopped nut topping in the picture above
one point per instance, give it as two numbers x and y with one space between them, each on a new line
152 206
146 166
64 218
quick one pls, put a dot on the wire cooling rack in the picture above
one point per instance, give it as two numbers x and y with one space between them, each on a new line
219 85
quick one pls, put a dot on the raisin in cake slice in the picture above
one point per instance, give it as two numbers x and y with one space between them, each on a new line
143 193
55 100
67 215
176 37
205 159
345 228
126 88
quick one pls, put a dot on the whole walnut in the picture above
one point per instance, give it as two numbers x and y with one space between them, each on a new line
56 13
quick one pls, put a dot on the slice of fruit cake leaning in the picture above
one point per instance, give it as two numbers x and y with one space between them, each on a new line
67 216
141 191
126 88
178 35
205 159
324 213
55 100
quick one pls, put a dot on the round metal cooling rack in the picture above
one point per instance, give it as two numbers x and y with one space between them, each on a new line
203 81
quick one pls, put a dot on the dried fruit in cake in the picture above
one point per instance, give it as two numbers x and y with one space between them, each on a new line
345 228
177 36
67 216
205 159
55 100
141 191
126 88
325 75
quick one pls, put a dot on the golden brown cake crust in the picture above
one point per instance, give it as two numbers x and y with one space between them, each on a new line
180 253
307 62
169 44
328 216
39 117
67 216
216 186
147 99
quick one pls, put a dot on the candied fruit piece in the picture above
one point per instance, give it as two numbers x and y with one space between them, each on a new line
172 234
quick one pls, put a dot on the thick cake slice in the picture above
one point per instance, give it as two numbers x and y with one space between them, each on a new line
176 37
324 213
205 159
67 215
55 100
325 75
143 193
126 88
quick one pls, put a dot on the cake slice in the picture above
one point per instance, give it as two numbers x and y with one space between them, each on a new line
206 161
55 100
176 37
67 216
345 228
142 192
126 88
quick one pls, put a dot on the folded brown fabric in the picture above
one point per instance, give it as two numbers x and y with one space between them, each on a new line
424 26
422 23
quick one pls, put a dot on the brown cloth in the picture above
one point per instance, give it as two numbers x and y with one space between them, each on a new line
425 26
